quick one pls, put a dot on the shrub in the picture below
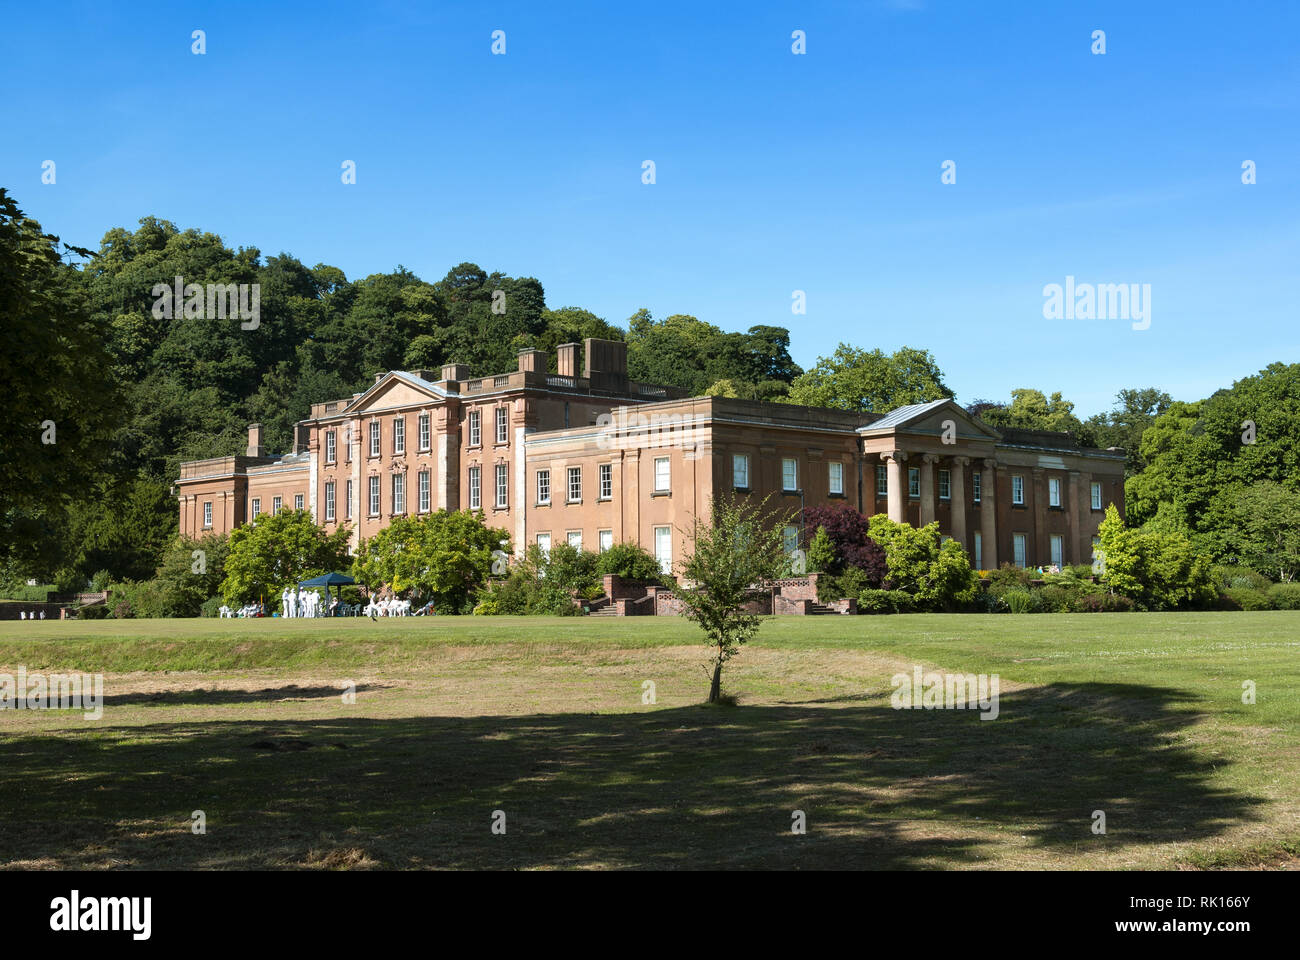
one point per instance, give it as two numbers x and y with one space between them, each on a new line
1227 576
1021 600
851 540
96 611
1056 598
1104 603
540 584
821 553
1161 571
1285 596
144 599
936 572
850 582
1247 598
629 561
211 607
986 602
885 601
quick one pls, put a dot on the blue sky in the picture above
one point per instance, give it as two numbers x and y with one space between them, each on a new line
775 172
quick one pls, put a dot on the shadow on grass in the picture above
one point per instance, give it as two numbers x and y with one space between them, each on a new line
681 787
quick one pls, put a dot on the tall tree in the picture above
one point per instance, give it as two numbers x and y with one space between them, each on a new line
870 381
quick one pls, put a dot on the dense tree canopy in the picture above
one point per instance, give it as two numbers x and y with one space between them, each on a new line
870 381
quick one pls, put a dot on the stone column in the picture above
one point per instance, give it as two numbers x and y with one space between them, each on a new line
1042 546
957 490
927 488
988 515
894 460
1074 542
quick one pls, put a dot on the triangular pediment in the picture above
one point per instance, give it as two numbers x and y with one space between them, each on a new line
397 389
930 419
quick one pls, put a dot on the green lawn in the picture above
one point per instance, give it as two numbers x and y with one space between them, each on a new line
1138 715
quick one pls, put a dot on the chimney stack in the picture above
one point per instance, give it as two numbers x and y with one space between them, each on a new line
606 364
255 440
532 361
455 371
566 359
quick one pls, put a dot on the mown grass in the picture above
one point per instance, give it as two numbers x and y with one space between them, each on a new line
1137 715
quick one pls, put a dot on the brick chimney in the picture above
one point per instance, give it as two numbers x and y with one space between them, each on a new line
455 371
255 441
532 361
566 359
606 364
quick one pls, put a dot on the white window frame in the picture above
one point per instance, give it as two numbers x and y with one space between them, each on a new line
331 447
544 543
607 481
399 435
503 424
207 514
789 475
1017 490
835 478
374 438
425 489
663 473
977 480
277 504
740 471
347 507
1057 549
502 485
475 484
475 428
979 550
1020 550
543 487
256 508
1053 491
604 540
1096 494
297 501
945 485
913 483
573 485
376 504
882 480
790 538
424 432
399 494
574 539
329 501
664 536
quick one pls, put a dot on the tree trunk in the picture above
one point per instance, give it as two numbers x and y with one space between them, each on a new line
715 691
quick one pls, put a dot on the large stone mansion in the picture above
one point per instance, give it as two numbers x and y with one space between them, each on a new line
597 459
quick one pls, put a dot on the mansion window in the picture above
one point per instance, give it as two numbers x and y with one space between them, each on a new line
836 484
740 471
1053 491
790 538
207 514
331 446
1058 550
664 548
257 507
503 485
475 487
543 486
503 428
399 435
374 438
424 491
1018 549
347 443
945 485
1018 490
789 474
975 481
475 428
575 484
277 504
399 493
575 539
979 550
882 480
663 474
604 540
913 482
347 507
606 481
297 501
424 431
374 496
1096 496
544 544
329 501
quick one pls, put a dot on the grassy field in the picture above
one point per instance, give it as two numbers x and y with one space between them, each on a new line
1137 715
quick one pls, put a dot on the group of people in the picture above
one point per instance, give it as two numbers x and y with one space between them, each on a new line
306 603
24 615
247 610
387 607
